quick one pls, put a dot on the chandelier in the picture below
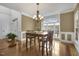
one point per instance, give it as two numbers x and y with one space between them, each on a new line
37 16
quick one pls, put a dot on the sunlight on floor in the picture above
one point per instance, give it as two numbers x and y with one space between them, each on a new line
56 48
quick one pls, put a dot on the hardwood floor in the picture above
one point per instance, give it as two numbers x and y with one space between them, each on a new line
59 49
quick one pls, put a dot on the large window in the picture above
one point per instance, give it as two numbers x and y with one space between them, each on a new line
52 23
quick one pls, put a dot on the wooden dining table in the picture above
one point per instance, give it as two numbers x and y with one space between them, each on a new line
38 34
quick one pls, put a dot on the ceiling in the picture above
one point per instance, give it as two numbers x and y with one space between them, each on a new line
45 9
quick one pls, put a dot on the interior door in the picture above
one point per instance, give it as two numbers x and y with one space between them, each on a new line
4 25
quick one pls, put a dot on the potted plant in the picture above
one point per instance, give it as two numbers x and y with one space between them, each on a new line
11 37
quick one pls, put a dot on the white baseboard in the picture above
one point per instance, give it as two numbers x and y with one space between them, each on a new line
65 41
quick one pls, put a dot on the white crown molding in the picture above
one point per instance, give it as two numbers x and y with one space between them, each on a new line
25 14
75 6
62 12
66 11
7 13
70 10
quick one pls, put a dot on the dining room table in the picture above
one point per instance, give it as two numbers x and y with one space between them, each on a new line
38 34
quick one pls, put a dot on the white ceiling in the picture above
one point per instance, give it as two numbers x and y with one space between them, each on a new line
46 9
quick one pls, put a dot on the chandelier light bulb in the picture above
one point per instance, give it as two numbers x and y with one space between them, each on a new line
39 16
34 16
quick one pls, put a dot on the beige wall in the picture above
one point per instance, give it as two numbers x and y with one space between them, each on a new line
37 25
27 23
67 22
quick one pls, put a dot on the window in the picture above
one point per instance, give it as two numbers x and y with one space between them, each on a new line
52 23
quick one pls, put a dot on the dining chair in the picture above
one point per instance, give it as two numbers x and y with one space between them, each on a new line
30 39
45 42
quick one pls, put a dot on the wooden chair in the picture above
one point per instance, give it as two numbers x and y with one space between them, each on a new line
29 38
46 41
50 39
